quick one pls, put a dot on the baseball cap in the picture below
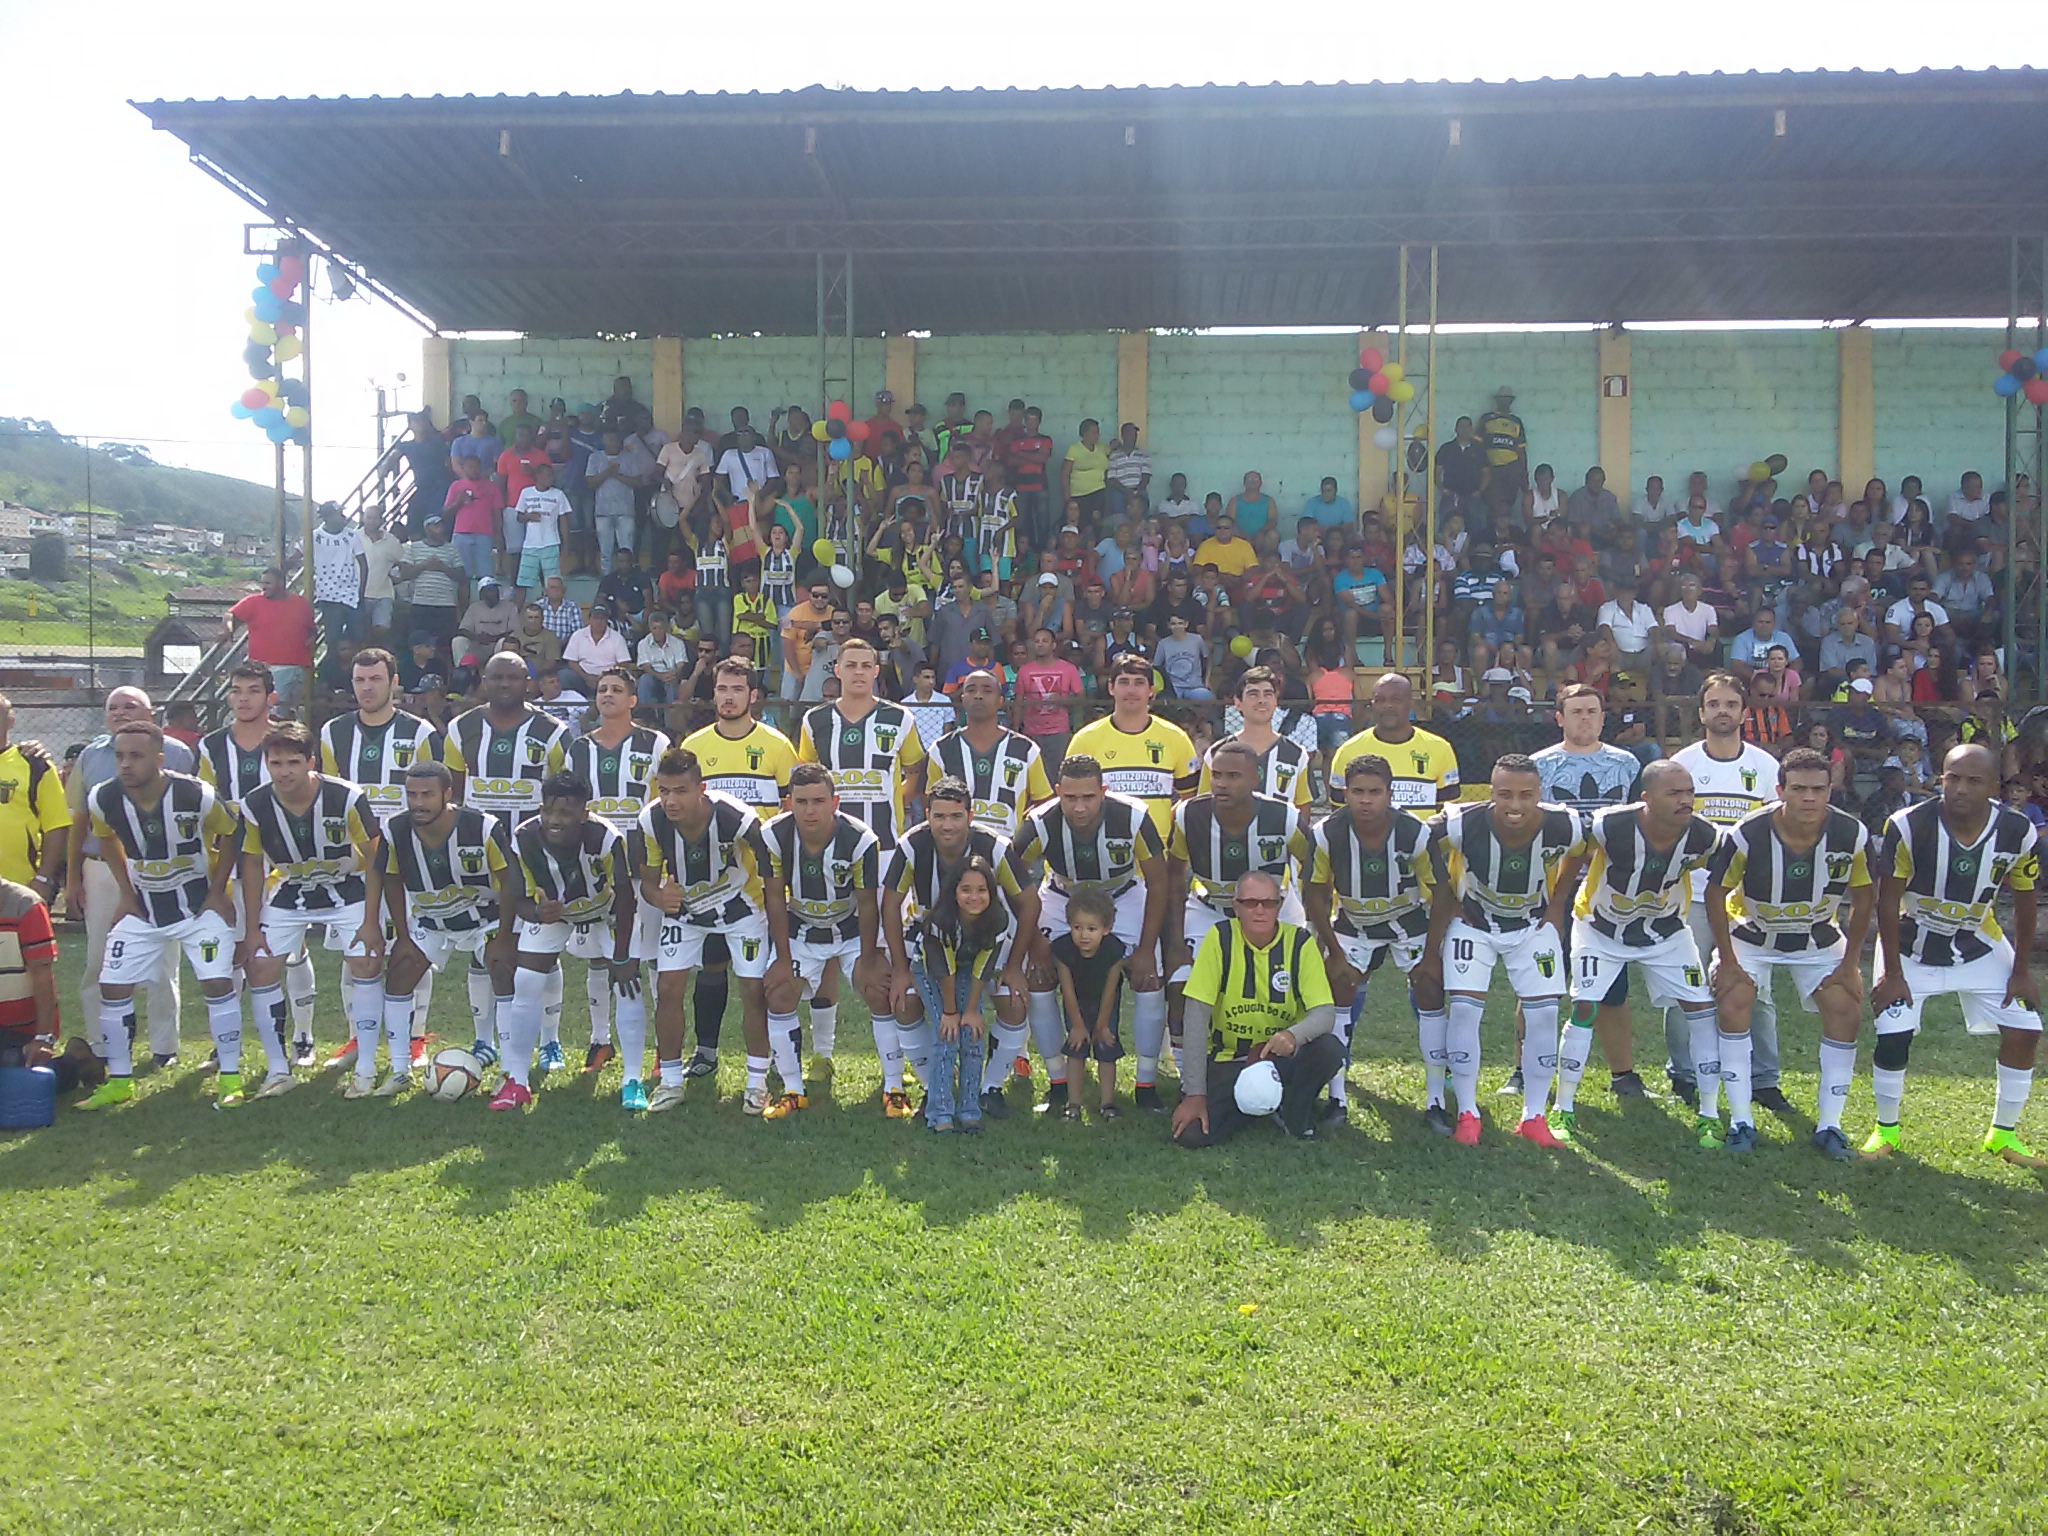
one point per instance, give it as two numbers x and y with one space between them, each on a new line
1520 696
1122 613
885 394
1450 688
1860 685
1048 580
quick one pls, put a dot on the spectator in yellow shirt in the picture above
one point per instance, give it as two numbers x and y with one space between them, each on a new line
33 815
1084 476
1231 555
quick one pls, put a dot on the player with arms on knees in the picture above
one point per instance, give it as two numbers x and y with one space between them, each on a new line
1092 838
168 840
1775 894
824 869
576 896
1366 884
701 859
1503 872
1940 866
449 888
1631 909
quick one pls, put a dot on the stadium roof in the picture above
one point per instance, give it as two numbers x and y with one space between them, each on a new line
1719 197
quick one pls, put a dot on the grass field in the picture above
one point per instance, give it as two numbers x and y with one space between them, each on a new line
317 1316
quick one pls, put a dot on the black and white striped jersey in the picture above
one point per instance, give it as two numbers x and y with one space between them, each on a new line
1005 782
168 846
451 886
1632 892
231 768
824 884
621 777
1945 913
316 856
376 757
1283 770
917 868
1500 888
868 759
1381 890
1217 858
717 869
505 768
582 877
1790 900
1106 858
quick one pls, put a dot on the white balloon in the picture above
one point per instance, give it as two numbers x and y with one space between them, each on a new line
1384 439
842 575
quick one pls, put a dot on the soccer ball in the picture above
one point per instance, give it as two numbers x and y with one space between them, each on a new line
452 1073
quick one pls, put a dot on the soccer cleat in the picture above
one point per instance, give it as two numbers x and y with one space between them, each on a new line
163 1059
1537 1129
783 1105
1467 1132
599 1054
1883 1141
551 1059
896 1104
1055 1100
359 1088
1071 1110
485 1053
1146 1097
1707 1132
511 1095
633 1096
421 1044
821 1069
1829 1142
1628 1085
277 1085
1772 1098
1439 1120
227 1091
1332 1112
343 1057
994 1106
754 1101
1740 1138
303 1052
2006 1143
702 1063
1564 1125
115 1090
1513 1084
666 1096
393 1086
1687 1091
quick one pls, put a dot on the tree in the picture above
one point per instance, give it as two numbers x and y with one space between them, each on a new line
48 559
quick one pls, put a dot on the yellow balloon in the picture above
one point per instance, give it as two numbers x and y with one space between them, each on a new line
249 314
263 331
268 386
289 347
826 551
819 431
1241 647
1401 393
1395 373
297 416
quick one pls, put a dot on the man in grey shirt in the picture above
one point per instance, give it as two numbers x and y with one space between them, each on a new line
1845 643
1593 504
1306 1053
954 618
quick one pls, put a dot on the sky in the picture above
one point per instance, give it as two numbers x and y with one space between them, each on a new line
122 278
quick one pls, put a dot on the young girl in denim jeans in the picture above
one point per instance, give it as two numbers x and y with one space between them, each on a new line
964 942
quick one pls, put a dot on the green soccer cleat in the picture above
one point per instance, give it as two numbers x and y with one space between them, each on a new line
1708 1132
115 1090
227 1092
633 1096
1564 1125
2005 1143
1883 1141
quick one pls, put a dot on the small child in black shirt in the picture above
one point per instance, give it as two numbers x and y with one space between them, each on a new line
1091 958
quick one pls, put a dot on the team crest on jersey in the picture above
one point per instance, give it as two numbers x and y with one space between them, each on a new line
1692 975
536 751
1283 982
1011 768
637 766
472 861
850 737
754 758
885 738
750 948
1838 865
1546 962
1119 852
1270 848
1421 760
1158 752
209 950
1749 780
337 828
2000 867
188 824
401 754
842 871
1285 776
1964 865
371 752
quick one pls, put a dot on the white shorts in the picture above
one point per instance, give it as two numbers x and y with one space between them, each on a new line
1807 968
587 940
1671 967
438 944
135 949
285 933
1532 957
1130 914
680 945
812 960
1361 954
1978 984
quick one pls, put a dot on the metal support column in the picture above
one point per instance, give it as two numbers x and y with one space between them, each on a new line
2026 456
1415 421
835 332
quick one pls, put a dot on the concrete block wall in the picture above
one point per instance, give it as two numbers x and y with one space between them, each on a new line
1936 415
1552 375
580 371
1221 405
1718 400
764 372
1067 377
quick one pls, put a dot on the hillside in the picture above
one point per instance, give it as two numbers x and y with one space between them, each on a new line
46 469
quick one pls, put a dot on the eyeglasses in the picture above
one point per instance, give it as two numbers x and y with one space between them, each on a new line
1256 902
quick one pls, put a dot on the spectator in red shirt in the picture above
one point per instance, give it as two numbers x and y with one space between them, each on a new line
280 625
1030 451
1052 682
28 977
516 465
883 424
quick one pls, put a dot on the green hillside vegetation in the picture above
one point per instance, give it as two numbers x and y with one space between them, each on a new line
46 469
119 608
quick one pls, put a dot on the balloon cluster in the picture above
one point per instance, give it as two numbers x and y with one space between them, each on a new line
1378 386
841 434
826 553
280 407
2023 374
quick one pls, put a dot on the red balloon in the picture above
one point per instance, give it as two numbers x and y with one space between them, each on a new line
1380 384
293 267
857 431
2007 358
2036 390
282 286
284 330
1374 359
255 399
839 410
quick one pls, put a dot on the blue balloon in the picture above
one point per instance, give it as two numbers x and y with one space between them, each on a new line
279 431
2041 360
268 307
841 448
2005 386
240 411
266 416
1361 400
267 273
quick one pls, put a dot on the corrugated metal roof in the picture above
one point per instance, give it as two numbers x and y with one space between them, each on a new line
1640 198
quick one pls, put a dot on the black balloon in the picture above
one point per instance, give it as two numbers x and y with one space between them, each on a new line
293 392
303 436
1383 410
835 428
2024 369
1361 378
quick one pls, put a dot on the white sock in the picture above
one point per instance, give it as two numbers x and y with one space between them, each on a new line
1704 1032
670 1072
757 1071
483 1007
551 1007
119 1050
1432 1029
1002 1060
1049 1033
632 1020
300 986
1342 1030
1539 1055
522 1023
888 1048
224 1019
266 1015
2014 1086
915 1042
1735 1054
422 1003
597 986
1148 1030
1837 1071
398 1012
366 1016
824 1030
1461 1046
785 1039
1574 1046
1888 1087
501 1021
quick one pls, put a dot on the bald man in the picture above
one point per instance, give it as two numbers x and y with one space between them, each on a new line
90 887
1425 767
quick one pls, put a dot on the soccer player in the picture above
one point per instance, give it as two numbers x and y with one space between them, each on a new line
825 867
617 761
1631 909
1940 866
1139 755
701 857
916 873
1283 764
576 896
168 841
750 761
449 887
1425 767
318 836
1502 870
372 748
1366 885
1775 893
1731 779
1092 838
1001 768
